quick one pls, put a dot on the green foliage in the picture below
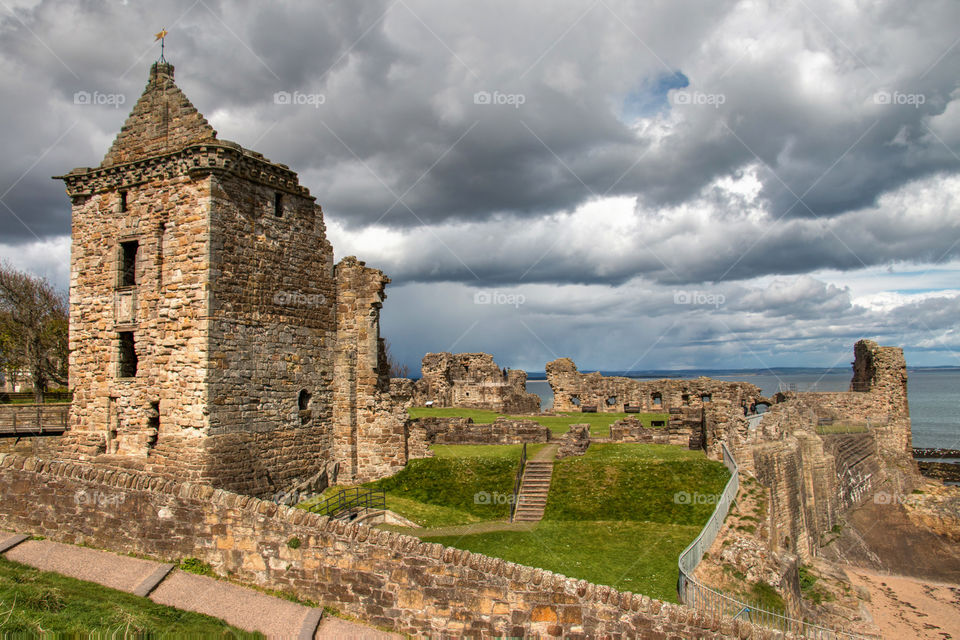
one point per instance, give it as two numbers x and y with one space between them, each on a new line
635 482
808 587
34 322
807 579
197 566
766 597
294 543
37 604
633 556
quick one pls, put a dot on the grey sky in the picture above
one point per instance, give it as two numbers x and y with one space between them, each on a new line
798 160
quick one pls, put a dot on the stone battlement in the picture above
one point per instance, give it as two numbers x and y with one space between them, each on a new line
193 160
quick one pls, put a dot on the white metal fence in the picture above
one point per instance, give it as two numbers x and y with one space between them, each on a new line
694 594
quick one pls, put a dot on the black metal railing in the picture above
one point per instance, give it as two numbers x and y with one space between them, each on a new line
518 481
349 503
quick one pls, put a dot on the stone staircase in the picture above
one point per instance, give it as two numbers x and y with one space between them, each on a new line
533 491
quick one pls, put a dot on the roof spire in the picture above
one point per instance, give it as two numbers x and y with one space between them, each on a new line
162 37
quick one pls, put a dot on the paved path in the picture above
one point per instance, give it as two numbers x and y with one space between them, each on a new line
238 606
547 452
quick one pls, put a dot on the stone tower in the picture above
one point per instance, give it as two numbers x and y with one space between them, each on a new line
211 334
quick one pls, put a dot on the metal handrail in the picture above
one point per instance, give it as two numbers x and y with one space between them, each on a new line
517 482
694 594
348 501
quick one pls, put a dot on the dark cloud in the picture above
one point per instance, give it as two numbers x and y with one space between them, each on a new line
707 147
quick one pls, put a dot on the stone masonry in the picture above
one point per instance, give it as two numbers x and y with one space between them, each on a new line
211 335
473 381
813 479
387 579
574 391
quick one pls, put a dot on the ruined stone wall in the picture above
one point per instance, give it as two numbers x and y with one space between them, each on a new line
474 381
384 578
814 479
271 370
256 363
370 429
631 429
574 442
573 390
464 431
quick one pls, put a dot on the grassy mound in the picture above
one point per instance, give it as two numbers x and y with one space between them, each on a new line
35 603
463 484
643 483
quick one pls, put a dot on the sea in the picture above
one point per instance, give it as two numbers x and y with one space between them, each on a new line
933 393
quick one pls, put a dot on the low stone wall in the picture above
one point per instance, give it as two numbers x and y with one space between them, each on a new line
631 429
465 431
381 577
574 442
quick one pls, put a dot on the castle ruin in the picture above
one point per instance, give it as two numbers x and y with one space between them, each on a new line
212 337
473 381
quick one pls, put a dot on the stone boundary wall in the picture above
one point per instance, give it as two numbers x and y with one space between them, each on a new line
631 429
378 576
465 431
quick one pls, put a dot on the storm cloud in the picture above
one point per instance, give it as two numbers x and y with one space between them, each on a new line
596 158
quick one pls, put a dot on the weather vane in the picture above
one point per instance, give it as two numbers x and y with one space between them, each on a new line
162 38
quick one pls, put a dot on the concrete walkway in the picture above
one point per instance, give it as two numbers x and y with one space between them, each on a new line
241 607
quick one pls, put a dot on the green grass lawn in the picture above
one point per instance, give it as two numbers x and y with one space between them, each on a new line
633 556
611 518
510 451
462 484
636 483
35 604
841 428
599 422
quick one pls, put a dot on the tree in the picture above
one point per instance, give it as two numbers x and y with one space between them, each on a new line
397 370
34 328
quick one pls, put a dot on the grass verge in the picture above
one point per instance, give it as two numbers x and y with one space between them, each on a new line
34 602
